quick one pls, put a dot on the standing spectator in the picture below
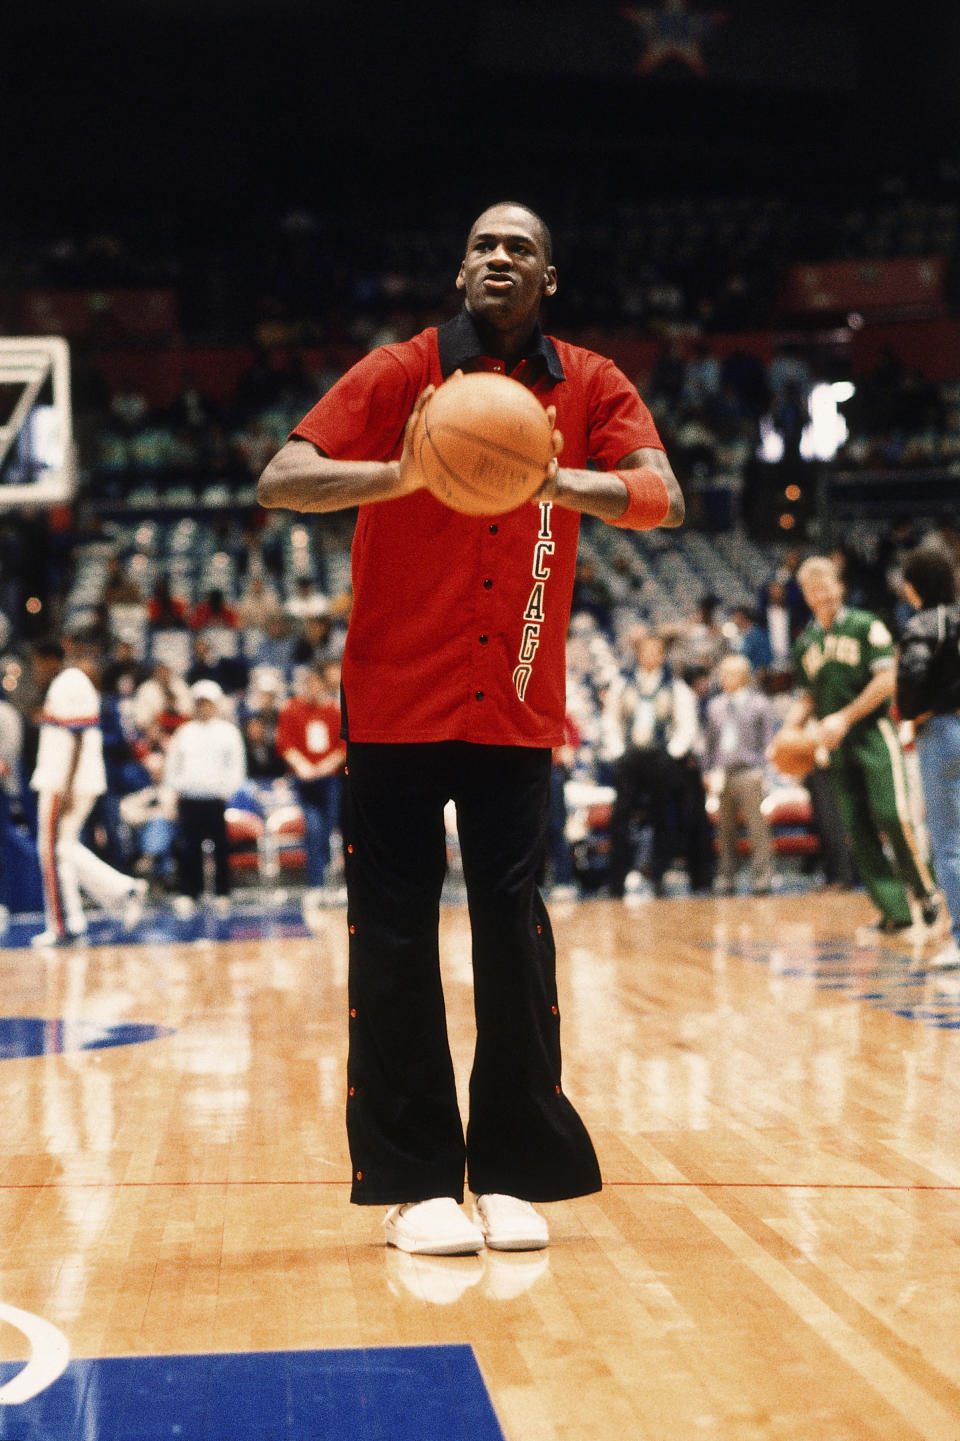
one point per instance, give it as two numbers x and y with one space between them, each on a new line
777 623
739 727
928 693
845 676
68 777
657 772
204 766
308 739
11 802
752 641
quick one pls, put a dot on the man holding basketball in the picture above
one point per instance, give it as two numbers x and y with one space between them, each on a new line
454 688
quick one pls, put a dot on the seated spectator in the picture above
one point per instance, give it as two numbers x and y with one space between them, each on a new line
119 587
700 639
209 663
257 603
307 599
165 610
272 647
151 815
162 699
214 610
592 595
122 671
320 642
264 764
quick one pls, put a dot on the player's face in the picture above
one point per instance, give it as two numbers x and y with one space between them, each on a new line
505 274
823 594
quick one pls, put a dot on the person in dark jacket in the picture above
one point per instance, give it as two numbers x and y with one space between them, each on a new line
928 693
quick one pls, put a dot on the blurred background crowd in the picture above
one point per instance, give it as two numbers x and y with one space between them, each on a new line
768 248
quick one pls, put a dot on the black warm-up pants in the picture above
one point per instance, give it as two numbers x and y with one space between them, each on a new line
523 1138
199 821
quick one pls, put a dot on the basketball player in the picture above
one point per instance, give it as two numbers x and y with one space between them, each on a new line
68 776
845 671
453 688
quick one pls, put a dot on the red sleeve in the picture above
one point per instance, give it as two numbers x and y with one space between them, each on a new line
362 416
618 420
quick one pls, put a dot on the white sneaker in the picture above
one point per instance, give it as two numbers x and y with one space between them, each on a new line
184 907
432 1228
509 1224
57 938
133 905
946 959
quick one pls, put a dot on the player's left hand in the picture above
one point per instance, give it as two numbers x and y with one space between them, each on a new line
832 729
548 490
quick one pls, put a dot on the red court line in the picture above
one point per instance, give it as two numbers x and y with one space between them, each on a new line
607 1185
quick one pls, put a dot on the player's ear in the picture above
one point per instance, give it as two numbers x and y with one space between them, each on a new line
461 279
550 280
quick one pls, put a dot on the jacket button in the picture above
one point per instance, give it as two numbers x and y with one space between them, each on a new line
478 695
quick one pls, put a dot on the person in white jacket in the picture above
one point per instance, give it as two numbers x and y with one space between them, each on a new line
68 777
205 764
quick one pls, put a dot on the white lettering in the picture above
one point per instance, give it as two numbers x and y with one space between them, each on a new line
521 676
530 642
543 548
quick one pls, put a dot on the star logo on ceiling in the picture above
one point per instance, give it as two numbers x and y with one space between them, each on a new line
672 32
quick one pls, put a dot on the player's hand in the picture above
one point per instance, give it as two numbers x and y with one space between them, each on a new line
832 730
548 490
409 477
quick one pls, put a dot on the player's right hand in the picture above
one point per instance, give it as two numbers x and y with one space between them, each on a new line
409 476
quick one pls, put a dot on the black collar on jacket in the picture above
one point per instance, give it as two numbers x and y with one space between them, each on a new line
459 344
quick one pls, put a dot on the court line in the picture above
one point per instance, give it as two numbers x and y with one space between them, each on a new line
607 1185
49 1356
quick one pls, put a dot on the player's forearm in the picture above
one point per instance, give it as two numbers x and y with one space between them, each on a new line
300 477
875 694
608 496
592 492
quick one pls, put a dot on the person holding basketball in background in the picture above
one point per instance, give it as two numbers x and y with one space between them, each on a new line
454 688
845 674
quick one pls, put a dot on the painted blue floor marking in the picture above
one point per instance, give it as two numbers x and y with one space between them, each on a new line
882 978
396 1393
34 1036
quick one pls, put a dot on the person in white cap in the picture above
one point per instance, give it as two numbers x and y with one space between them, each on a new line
205 764
68 777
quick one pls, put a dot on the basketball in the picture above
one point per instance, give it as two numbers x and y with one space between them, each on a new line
482 443
794 752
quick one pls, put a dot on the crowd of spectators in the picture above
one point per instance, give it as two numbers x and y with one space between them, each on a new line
168 561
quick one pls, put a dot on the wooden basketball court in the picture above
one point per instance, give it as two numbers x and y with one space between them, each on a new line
775 1253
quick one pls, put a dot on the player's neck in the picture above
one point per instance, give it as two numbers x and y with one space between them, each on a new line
508 345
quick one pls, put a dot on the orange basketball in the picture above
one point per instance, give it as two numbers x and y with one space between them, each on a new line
483 443
794 752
